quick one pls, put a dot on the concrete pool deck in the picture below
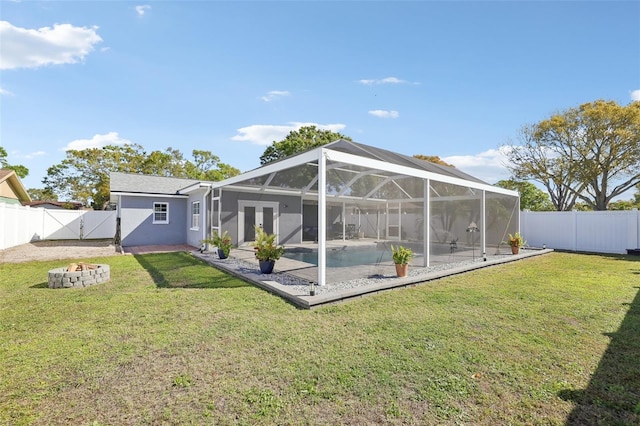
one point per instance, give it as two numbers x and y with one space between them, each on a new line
242 264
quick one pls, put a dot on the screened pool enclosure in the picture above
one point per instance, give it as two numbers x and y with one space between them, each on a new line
339 208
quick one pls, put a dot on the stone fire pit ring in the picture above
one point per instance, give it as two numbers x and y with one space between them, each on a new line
61 278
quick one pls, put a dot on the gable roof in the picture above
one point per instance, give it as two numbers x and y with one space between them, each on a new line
15 185
71 205
145 184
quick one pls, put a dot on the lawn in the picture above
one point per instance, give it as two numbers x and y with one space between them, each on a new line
553 339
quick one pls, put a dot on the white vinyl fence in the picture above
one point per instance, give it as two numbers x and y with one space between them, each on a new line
598 232
20 225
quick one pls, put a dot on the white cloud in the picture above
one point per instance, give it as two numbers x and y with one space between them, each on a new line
387 80
275 94
142 9
635 95
17 154
5 92
97 141
35 154
29 48
265 134
384 113
487 165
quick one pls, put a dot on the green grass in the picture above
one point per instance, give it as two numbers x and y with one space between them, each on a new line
553 339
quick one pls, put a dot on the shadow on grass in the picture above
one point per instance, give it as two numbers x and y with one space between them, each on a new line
636 259
613 394
40 285
182 270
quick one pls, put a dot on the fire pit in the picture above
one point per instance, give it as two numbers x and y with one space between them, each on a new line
78 275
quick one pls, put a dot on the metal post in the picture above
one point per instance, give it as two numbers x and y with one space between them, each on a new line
322 216
426 220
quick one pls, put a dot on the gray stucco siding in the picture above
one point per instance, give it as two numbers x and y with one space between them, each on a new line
136 221
197 234
289 220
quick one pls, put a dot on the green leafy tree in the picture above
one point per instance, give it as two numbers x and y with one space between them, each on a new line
20 170
42 194
297 141
636 196
622 205
84 174
206 166
590 153
531 197
433 159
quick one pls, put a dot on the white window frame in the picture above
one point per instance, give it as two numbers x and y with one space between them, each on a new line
159 221
195 217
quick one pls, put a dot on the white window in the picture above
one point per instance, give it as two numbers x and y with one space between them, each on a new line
195 215
160 212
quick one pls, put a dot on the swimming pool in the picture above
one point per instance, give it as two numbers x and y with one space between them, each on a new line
343 258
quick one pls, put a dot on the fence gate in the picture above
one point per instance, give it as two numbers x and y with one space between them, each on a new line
79 224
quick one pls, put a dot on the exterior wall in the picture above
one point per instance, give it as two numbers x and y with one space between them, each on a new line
136 221
10 200
289 220
196 234
7 191
7 194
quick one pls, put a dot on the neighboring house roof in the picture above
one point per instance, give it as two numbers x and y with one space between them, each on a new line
144 184
11 188
71 205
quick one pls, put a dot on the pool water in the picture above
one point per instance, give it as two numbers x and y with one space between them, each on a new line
343 258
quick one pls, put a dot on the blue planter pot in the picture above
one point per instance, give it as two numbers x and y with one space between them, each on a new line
266 266
221 254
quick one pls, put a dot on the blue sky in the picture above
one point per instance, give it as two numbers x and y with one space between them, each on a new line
453 79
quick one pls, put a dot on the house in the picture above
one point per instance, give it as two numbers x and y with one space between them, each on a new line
371 196
11 189
56 205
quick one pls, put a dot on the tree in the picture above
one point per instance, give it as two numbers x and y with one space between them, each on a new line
591 153
206 166
20 170
636 196
297 141
39 194
84 174
531 197
622 205
433 159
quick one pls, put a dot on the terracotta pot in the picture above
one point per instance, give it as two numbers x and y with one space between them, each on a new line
515 249
401 270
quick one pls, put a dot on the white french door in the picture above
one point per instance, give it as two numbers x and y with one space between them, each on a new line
256 213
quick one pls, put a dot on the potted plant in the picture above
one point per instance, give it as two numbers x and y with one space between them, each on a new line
267 251
401 257
222 242
516 241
